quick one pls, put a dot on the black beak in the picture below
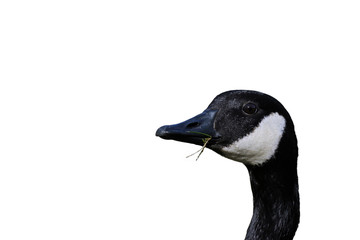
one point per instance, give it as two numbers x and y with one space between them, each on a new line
193 130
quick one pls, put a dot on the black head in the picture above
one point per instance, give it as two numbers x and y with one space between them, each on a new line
245 126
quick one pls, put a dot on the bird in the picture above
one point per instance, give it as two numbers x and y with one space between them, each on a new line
255 129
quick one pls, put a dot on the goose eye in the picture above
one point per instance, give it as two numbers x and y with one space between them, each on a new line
250 108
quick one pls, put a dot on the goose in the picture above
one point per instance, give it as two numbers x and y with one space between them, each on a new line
255 129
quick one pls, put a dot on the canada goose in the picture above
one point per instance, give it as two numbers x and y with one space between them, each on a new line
255 129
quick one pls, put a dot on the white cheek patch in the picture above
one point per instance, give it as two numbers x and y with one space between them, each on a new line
260 145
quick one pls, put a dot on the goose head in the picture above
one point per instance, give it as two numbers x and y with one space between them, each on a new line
245 126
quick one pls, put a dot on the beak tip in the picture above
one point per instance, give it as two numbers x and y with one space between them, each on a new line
161 132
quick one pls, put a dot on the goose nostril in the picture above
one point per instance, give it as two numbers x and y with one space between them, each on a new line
192 125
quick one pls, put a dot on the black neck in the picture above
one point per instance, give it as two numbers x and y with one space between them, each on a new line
276 201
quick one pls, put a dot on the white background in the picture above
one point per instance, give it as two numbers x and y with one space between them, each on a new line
85 84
